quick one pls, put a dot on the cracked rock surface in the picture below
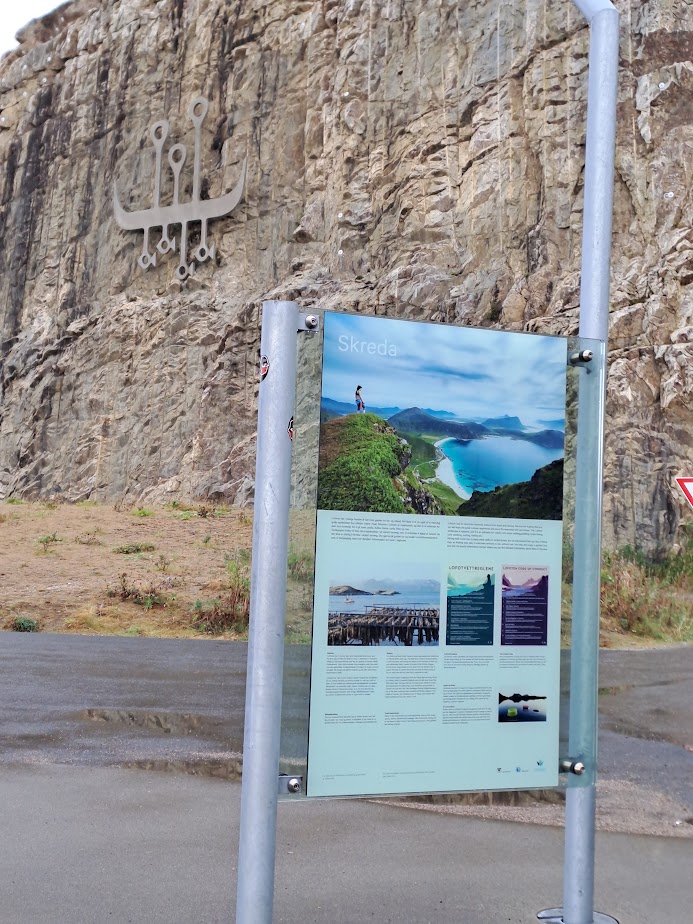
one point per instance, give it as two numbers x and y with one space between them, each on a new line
410 158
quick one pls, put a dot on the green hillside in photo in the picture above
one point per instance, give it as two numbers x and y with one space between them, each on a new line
540 498
365 465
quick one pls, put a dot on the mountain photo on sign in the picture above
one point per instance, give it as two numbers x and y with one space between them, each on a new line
430 419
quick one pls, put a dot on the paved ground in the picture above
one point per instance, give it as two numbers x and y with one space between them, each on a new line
90 845
84 840
178 704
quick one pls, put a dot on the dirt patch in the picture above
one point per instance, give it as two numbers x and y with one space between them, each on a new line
59 566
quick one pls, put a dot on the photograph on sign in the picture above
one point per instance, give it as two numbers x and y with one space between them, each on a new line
436 618
401 606
445 448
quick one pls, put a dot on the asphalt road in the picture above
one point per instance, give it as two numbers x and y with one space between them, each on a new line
178 704
90 845
85 840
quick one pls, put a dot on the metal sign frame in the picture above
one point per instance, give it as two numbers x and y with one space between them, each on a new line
270 538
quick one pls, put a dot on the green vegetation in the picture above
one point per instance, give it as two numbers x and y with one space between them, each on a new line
449 501
238 567
650 596
24 624
14 500
540 498
422 450
231 611
363 455
425 470
133 548
213 617
48 541
301 565
148 597
423 453
142 512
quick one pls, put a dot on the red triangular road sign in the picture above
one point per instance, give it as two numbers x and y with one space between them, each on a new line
686 485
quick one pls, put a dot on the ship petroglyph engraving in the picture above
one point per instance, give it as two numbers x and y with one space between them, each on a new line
178 213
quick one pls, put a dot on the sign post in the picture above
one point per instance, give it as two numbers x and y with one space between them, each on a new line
270 540
578 870
255 890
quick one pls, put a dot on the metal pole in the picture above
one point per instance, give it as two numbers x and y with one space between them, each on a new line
578 874
258 832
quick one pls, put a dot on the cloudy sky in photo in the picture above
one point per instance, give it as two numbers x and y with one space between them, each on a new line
15 15
385 573
470 372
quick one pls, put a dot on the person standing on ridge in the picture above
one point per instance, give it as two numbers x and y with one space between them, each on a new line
360 406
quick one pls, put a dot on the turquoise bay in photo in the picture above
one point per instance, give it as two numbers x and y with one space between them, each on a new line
485 464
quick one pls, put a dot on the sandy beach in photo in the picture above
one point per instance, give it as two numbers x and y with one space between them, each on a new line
446 473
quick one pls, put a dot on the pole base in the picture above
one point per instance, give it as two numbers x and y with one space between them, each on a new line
555 916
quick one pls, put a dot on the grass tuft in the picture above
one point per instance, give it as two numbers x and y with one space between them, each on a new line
148 597
650 596
133 548
301 565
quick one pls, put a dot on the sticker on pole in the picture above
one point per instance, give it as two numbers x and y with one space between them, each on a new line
264 368
686 485
290 429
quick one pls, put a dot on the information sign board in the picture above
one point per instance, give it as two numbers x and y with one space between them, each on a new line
437 601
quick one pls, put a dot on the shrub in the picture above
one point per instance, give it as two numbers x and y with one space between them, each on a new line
229 613
238 567
148 597
48 541
24 624
133 548
142 512
638 595
89 538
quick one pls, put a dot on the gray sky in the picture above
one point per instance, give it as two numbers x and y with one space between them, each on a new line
15 15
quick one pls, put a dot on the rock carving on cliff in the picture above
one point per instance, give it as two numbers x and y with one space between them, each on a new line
413 159
178 213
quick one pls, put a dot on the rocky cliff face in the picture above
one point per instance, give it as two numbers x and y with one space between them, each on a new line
415 158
